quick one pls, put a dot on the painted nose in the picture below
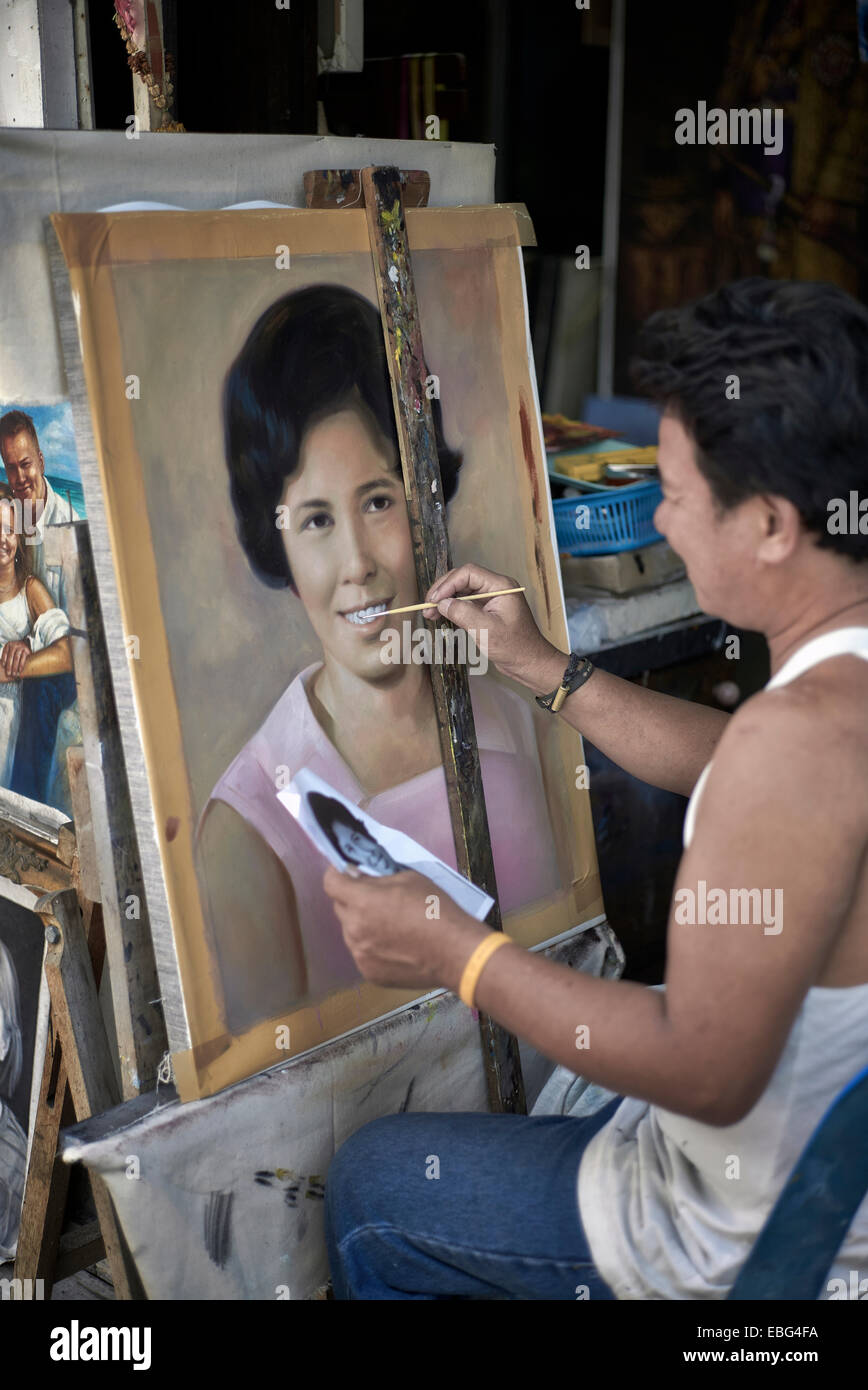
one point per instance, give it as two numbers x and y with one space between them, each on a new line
358 563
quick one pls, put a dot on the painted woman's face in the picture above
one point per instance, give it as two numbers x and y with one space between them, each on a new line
348 540
8 537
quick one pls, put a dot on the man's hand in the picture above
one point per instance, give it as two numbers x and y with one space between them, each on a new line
515 643
14 657
390 927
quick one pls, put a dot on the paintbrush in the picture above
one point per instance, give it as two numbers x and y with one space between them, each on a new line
462 598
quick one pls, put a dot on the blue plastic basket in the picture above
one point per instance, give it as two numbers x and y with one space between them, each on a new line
602 523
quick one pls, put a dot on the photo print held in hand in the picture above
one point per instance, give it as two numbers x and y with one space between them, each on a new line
346 836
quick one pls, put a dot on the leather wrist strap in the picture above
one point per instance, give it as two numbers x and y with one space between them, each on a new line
579 669
476 964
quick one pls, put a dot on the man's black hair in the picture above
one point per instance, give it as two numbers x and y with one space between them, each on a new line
17 422
799 425
312 353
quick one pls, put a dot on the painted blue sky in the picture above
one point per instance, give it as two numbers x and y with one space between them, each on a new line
56 438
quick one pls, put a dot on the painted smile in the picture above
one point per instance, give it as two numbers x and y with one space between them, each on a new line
364 617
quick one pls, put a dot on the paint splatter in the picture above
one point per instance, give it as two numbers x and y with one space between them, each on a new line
527 450
293 1183
530 463
218 1215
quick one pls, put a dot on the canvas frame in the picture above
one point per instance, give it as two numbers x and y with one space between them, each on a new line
205 1057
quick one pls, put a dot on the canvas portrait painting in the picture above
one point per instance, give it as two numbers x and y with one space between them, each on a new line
249 467
39 489
23 1016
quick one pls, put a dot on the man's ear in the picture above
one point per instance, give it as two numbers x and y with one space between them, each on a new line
782 526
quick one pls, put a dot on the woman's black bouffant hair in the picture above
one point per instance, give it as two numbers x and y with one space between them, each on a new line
312 353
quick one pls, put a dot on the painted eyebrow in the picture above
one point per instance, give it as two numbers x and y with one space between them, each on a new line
389 480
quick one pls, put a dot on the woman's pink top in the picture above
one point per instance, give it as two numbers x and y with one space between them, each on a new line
291 739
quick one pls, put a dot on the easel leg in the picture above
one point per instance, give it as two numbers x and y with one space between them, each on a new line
86 1070
45 1194
414 419
47 1177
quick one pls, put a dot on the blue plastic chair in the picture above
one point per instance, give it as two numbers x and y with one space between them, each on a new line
806 1228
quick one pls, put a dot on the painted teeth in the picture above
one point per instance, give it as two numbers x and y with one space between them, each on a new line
364 615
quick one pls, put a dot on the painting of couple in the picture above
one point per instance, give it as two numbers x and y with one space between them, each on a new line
38 719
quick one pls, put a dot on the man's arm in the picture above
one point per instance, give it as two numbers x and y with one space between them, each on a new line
657 738
707 1046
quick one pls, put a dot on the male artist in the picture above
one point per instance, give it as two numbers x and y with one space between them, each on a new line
34 772
762 1020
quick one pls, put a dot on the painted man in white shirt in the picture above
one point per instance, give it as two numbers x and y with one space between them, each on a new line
41 505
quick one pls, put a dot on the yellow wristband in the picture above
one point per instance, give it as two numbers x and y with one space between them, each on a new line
476 964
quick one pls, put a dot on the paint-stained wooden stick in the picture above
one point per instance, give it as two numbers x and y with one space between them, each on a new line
462 598
423 486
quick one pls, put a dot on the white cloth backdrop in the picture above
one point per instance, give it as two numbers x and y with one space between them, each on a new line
44 171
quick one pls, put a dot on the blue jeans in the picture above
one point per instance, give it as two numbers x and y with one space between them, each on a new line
462 1206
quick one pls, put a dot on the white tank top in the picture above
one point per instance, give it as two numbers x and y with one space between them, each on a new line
671 1206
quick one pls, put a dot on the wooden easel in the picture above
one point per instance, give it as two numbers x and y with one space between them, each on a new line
78 1080
86 876
383 192
83 920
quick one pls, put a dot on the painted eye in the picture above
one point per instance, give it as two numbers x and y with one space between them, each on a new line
319 521
381 497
